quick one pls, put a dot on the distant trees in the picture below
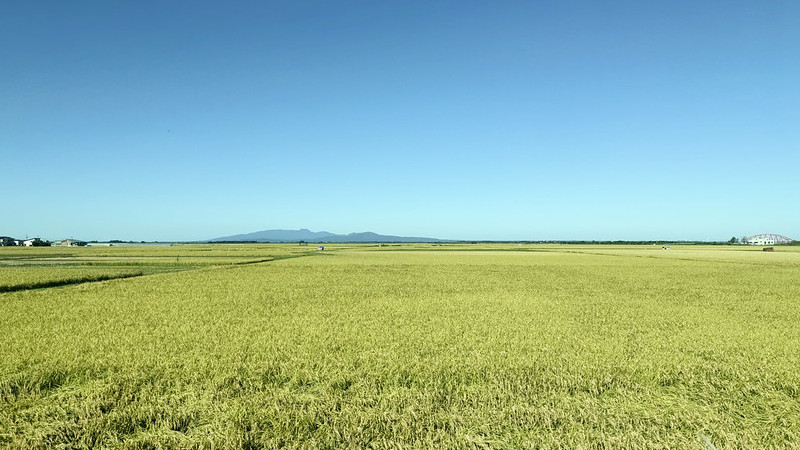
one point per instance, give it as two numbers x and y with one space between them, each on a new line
733 240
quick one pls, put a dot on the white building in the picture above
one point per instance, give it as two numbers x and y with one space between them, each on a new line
760 240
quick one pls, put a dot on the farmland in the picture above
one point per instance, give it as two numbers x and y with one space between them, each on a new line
400 346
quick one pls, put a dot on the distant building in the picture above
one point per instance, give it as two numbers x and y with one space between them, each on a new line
70 243
760 240
766 239
35 242
6 241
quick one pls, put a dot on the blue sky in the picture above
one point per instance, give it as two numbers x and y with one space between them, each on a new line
452 119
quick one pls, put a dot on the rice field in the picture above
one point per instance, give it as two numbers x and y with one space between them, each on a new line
403 346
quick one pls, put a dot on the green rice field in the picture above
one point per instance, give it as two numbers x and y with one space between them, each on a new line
400 346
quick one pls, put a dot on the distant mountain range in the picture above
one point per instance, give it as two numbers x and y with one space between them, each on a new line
317 236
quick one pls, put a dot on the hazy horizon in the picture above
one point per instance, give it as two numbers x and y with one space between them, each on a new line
442 238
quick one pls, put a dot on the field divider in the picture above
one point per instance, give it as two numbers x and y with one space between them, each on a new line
106 277
272 259
66 282
242 263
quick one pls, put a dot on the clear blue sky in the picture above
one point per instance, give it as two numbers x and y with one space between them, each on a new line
149 120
